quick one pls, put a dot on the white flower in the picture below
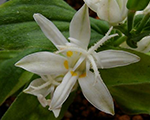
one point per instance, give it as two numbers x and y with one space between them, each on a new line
113 11
50 67
142 46
75 60
44 87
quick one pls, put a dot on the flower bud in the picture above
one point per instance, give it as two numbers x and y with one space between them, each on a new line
147 10
113 11
143 45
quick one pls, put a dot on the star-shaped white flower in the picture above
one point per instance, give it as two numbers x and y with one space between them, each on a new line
74 60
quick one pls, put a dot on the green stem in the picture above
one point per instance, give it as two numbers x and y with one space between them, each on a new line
120 41
122 28
130 20
142 23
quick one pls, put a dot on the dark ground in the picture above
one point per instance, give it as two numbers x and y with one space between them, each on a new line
81 109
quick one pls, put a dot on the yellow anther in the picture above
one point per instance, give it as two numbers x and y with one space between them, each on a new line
66 64
69 53
73 73
82 75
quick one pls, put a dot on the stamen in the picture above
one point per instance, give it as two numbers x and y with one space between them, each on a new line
44 77
100 42
42 86
78 63
69 53
73 73
55 83
97 75
99 60
66 64
75 49
87 66
51 90
42 100
82 75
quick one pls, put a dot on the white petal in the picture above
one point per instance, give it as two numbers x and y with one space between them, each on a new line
56 112
80 26
38 87
74 42
97 94
42 100
144 45
50 30
43 63
124 10
110 11
63 90
114 58
94 66
92 4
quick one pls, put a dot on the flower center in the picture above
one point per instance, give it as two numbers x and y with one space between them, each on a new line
76 62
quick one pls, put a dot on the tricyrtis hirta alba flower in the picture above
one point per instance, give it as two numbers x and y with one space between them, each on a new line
50 67
113 11
142 46
74 60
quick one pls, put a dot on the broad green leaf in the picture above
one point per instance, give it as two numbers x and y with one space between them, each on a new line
27 107
133 98
11 77
18 30
8 54
129 85
137 4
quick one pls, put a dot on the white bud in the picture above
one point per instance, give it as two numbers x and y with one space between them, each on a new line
142 46
113 11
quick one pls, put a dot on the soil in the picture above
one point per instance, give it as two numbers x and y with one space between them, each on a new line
81 109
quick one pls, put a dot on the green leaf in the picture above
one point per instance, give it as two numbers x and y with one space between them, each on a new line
137 4
11 77
18 30
8 54
133 98
129 85
27 107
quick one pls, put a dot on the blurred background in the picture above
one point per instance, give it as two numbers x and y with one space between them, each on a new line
2 1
